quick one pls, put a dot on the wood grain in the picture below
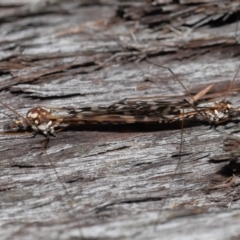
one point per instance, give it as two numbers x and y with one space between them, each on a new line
118 182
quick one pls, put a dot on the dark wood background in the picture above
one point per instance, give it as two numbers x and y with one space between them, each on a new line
116 182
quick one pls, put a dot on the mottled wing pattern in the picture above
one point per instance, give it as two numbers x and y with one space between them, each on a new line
126 111
129 111
159 111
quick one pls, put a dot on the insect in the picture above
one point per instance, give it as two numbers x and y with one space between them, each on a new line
48 121
44 120
52 120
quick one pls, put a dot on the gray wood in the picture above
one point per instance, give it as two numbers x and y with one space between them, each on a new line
116 182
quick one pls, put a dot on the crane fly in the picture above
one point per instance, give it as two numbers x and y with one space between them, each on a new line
46 121
128 111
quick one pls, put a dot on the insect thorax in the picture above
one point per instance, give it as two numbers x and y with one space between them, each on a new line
37 119
221 110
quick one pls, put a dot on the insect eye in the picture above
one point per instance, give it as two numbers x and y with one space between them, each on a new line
20 125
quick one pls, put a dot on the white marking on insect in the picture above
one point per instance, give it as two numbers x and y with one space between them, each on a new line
49 123
32 115
128 112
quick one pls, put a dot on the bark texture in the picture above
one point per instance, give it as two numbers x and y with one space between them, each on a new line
117 182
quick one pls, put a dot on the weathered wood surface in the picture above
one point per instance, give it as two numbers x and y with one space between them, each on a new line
116 183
